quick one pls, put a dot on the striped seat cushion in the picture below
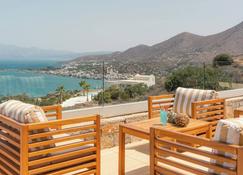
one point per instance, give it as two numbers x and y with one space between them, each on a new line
185 96
26 113
229 131
22 112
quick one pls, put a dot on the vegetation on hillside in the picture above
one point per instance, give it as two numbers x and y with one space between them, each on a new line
196 77
222 60
119 93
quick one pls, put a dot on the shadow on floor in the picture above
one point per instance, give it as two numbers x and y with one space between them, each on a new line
140 171
144 148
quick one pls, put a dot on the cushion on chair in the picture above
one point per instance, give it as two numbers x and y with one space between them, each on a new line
229 131
26 113
185 96
22 112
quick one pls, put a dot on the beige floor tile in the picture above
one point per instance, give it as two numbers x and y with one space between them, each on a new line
137 159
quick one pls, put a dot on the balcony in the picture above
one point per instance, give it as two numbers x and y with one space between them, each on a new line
137 156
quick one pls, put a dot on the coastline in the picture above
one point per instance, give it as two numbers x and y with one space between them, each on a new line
36 84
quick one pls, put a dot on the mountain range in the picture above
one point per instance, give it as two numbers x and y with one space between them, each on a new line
11 52
182 48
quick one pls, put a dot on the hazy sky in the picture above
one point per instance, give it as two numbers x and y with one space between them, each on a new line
110 25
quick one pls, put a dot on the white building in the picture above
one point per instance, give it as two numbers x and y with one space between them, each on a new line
149 80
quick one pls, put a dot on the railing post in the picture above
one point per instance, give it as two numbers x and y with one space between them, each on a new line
24 150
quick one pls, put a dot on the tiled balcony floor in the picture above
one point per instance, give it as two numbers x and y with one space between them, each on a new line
137 159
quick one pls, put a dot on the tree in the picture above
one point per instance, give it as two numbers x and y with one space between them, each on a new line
135 90
222 60
82 84
115 92
195 77
122 92
86 87
99 97
61 92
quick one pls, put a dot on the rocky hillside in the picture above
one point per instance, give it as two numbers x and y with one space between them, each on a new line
182 48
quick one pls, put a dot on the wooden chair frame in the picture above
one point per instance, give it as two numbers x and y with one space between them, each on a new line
208 110
238 113
176 145
17 140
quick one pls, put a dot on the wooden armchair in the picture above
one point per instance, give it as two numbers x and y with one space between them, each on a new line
208 110
74 146
179 157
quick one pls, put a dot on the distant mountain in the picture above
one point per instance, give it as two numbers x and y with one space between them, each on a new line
10 52
182 48
14 53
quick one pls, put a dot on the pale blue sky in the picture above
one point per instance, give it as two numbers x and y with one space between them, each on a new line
110 25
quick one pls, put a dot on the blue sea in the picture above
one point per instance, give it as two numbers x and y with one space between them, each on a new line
27 64
15 80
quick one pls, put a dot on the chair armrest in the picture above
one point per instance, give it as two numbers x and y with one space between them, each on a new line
67 121
209 110
53 111
156 102
238 112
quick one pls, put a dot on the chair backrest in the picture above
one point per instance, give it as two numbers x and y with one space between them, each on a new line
173 153
155 103
53 112
77 147
210 110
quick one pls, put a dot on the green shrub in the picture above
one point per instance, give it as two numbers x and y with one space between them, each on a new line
222 60
99 97
122 92
194 77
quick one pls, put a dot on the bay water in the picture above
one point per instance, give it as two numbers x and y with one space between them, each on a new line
15 79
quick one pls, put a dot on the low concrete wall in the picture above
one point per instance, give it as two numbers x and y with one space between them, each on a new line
233 100
231 93
110 110
233 104
110 129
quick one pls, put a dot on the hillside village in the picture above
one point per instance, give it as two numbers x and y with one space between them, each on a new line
159 59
